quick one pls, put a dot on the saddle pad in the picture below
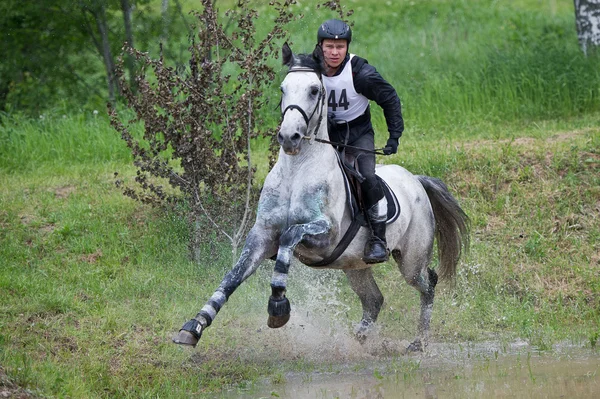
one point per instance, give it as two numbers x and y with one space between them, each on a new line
392 202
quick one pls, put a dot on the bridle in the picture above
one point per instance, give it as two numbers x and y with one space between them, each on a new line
320 103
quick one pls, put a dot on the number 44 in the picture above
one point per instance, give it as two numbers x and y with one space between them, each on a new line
341 103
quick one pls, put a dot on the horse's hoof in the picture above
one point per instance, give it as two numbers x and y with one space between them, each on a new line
278 321
415 346
189 334
185 338
362 330
279 312
361 337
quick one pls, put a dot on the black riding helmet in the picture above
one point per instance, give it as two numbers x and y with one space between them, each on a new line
334 29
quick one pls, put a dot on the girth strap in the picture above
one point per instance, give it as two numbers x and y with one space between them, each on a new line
342 245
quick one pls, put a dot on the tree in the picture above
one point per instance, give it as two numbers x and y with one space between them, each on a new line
198 125
39 44
126 9
98 31
587 19
51 48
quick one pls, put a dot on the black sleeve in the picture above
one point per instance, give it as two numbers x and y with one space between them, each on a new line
369 83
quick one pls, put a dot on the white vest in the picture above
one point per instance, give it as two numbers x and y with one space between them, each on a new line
342 99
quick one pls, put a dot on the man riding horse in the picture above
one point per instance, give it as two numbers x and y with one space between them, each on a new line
350 83
304 212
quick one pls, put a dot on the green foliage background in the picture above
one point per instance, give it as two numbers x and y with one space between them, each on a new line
499 102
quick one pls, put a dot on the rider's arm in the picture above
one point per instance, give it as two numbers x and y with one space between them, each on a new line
369 83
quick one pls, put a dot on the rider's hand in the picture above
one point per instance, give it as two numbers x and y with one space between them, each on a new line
391 147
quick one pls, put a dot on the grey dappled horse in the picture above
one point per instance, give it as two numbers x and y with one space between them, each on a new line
303 212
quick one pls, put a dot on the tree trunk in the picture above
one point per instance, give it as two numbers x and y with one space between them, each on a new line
126 8
166 20
106 53
98 12
587 19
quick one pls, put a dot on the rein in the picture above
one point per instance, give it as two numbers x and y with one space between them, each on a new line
378 151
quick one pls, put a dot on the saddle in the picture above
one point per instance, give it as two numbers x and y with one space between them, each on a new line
352 180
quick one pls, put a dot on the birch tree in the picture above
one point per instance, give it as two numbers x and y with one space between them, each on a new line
587 19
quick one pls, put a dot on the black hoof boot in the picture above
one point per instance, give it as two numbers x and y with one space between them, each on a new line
189 334
279 312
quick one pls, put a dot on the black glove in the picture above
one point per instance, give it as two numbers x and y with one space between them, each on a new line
391 147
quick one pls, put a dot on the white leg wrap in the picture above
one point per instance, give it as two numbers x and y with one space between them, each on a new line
279 279
210 311
218 297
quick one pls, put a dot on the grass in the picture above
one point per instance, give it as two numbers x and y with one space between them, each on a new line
93 285
453 72
58 140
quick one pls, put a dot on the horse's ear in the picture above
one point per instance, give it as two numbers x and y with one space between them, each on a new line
287 55
318 54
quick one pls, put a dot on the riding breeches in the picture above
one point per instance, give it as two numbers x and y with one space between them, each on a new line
371 188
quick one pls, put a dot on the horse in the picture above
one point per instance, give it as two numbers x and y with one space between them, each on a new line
303 212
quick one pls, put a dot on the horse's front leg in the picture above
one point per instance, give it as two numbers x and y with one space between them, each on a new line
257 248
279 306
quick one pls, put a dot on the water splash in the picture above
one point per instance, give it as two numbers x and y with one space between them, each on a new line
321 328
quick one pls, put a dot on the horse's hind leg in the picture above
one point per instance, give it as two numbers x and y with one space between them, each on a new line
423 279
364 285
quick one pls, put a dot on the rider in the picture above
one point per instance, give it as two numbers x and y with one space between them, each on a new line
350 83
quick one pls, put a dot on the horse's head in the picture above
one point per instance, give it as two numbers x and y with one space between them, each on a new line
302 100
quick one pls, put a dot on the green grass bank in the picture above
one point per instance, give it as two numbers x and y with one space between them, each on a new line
93 285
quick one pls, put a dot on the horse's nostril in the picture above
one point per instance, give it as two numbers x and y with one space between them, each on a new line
296 137
279 137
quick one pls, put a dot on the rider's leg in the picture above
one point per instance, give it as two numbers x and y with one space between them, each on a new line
376 246
375 202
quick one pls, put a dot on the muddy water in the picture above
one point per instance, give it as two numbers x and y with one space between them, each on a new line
485 370
320 334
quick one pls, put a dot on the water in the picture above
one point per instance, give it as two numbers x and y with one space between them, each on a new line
320 334
486 370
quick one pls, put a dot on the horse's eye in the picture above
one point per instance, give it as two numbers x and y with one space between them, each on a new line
281 88
314 91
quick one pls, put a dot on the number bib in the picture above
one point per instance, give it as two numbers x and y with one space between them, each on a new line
342 99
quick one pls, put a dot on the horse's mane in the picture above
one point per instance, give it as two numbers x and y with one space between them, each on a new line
307 61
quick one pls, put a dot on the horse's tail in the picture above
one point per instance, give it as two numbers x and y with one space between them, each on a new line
452 225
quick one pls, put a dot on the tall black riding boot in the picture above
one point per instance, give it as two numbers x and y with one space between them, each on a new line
376 248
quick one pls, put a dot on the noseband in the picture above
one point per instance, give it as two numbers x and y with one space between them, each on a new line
320 101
